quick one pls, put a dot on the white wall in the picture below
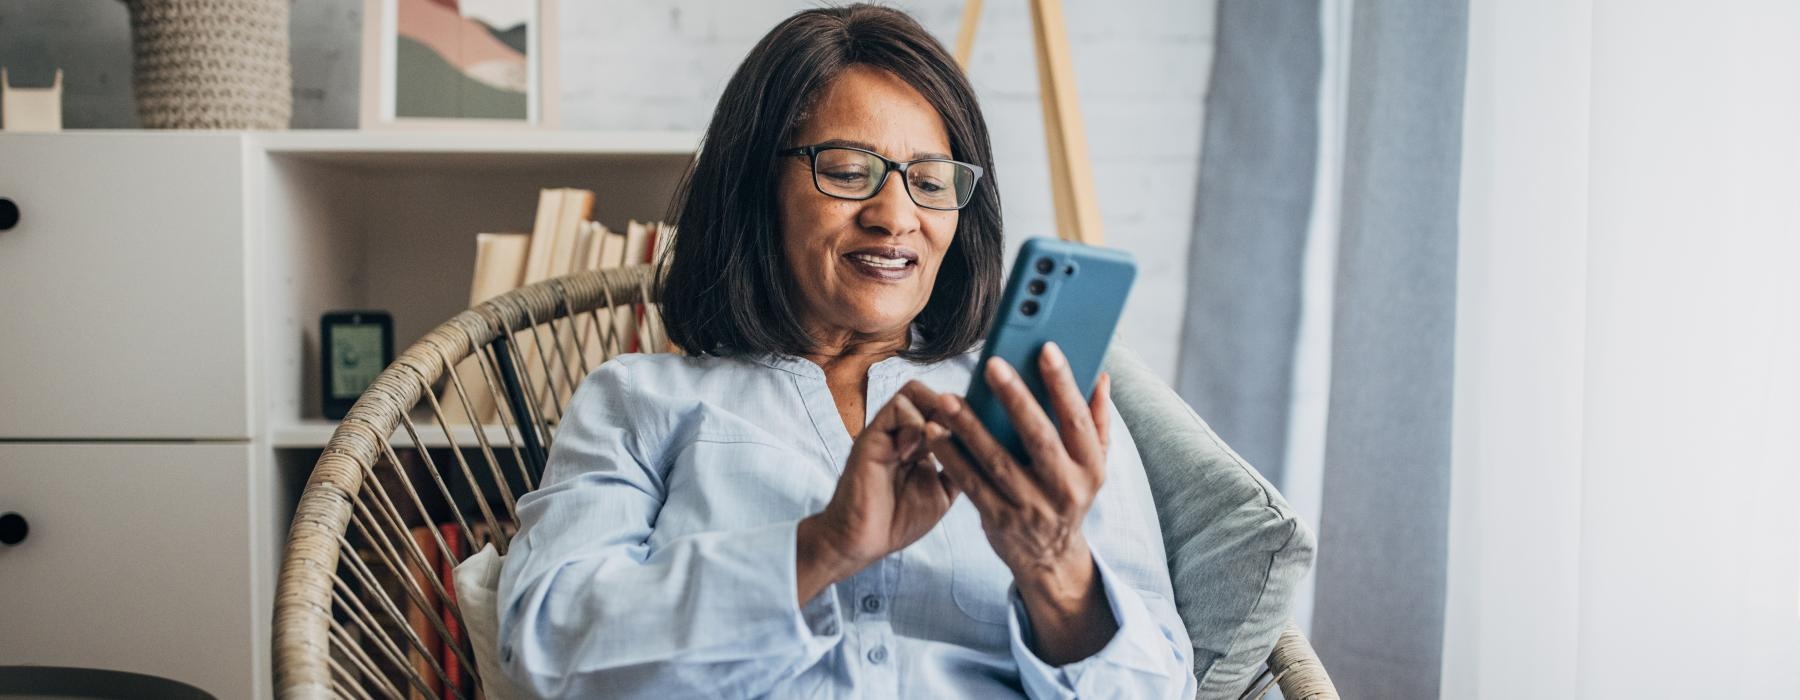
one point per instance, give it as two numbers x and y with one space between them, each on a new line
1626 458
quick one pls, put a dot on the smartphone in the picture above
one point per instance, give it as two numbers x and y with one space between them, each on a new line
1059 291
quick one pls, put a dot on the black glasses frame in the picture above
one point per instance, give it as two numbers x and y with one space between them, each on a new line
812 163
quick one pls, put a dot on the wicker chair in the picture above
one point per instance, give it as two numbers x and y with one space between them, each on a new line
356 528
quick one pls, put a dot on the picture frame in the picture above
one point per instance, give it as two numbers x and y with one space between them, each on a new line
446 64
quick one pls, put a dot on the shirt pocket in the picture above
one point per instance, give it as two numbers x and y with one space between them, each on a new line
980 582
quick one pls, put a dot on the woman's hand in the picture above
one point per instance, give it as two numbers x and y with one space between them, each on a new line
890 495
1032 513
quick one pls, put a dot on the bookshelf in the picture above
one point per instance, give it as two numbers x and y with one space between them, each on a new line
165 371
386 220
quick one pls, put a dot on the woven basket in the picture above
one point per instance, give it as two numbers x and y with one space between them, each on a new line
211 64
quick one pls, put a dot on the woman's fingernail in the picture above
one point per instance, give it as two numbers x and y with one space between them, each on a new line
999 372
1054 354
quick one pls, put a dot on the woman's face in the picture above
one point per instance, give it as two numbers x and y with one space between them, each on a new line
864 267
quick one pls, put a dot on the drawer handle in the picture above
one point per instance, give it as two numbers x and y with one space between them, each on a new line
9 214
13 528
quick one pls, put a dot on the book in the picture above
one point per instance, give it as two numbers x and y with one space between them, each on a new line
585 249
385 589
625 318
594 339
577 207
499 268
613 254
460 682
543 236
649 318
418 617
563 240
552 255
583 257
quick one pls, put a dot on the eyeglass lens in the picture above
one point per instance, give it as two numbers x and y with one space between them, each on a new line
852 174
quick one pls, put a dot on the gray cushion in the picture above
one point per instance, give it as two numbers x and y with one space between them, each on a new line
1236 550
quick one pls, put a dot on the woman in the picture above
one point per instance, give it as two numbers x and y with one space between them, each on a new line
766 517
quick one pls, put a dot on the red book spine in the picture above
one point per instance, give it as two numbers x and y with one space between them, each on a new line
649 257
459 679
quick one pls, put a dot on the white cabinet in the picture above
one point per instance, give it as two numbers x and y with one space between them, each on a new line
159 392
122 288
138 558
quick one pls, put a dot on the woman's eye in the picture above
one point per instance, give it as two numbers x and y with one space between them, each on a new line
928 185
846 176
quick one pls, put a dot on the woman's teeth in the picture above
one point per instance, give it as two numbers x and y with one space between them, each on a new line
887 263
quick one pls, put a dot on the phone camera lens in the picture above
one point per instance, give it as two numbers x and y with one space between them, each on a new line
1035 287
1029 308
1045 265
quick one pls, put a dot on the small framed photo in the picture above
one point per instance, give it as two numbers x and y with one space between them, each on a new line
459 64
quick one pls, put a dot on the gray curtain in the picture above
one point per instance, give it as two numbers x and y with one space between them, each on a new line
1379 600
1255 196
1378 620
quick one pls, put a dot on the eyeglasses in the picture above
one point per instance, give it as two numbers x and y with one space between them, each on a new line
856 174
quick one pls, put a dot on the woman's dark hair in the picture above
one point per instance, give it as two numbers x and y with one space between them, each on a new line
726 288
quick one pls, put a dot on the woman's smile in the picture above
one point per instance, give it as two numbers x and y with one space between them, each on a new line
883 263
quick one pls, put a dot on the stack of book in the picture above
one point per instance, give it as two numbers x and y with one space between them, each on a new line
562 241
436 658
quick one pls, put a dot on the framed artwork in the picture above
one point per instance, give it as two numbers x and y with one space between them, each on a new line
459 64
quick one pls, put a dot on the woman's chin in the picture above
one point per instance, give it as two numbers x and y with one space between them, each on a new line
877 319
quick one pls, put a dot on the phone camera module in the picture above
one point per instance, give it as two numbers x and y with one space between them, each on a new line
1045 265
1029 308
1036 287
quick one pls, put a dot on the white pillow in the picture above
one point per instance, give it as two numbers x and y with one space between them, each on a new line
477 578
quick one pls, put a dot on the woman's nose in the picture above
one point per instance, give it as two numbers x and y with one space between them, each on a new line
891 210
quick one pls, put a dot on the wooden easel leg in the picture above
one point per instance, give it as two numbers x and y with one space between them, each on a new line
965 35
1071 173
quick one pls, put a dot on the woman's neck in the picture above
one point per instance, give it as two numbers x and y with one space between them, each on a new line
841 348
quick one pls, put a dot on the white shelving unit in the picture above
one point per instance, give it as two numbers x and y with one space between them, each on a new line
378 220
162 409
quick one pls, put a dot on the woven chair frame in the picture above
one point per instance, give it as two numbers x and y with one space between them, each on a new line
350 533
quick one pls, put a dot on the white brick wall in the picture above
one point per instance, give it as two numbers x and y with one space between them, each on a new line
1141 69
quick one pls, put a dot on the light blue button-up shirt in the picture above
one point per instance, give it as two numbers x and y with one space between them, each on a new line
657 559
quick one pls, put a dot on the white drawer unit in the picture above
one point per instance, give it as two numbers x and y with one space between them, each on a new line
137 557
123 312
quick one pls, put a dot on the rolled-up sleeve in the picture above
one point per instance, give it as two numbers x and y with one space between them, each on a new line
1148 657
589 609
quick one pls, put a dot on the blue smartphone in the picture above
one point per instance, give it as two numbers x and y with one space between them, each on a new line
1059 291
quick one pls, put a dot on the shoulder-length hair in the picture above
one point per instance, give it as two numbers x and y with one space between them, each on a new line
726 288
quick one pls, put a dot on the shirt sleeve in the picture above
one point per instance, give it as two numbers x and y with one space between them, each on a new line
589 609
1146 658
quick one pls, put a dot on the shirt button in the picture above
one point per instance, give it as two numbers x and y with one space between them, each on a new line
871 604
878 655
